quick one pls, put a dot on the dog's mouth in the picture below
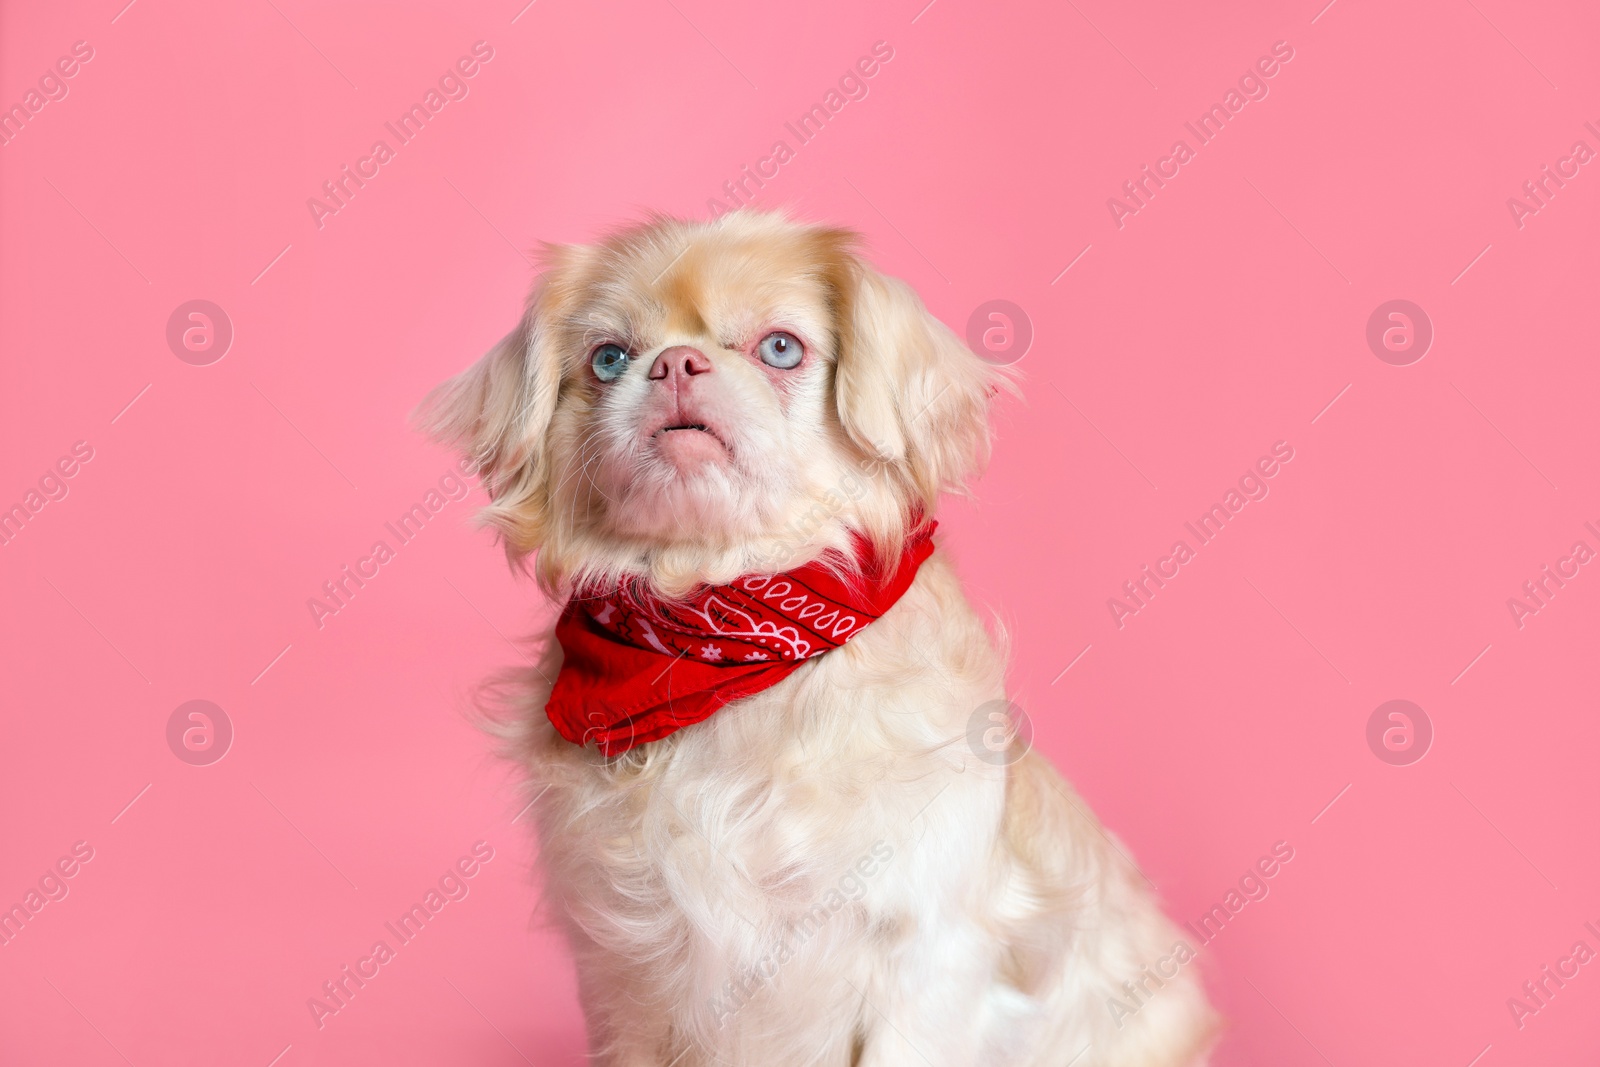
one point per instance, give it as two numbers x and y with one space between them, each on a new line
686 443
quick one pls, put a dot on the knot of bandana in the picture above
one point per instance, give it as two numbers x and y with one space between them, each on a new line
638 668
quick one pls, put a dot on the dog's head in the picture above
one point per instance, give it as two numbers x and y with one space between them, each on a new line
695 400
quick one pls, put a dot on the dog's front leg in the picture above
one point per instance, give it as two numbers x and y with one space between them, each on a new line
929 998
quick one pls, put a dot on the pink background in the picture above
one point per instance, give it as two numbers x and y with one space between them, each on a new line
1223 317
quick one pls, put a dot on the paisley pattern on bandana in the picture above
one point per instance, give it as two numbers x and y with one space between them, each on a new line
638 667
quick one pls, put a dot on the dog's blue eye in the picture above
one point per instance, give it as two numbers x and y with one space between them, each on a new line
781 350
608 362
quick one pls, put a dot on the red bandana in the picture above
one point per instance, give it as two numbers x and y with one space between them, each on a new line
638 668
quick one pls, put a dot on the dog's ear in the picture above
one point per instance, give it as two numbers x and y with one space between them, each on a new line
498 412
908 391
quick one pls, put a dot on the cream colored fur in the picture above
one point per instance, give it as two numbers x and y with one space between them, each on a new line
831 872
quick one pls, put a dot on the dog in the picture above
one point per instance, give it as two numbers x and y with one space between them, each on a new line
783 814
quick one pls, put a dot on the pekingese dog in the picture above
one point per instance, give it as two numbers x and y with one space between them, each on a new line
783 816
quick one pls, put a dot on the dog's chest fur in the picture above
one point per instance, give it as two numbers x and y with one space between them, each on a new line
740 857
